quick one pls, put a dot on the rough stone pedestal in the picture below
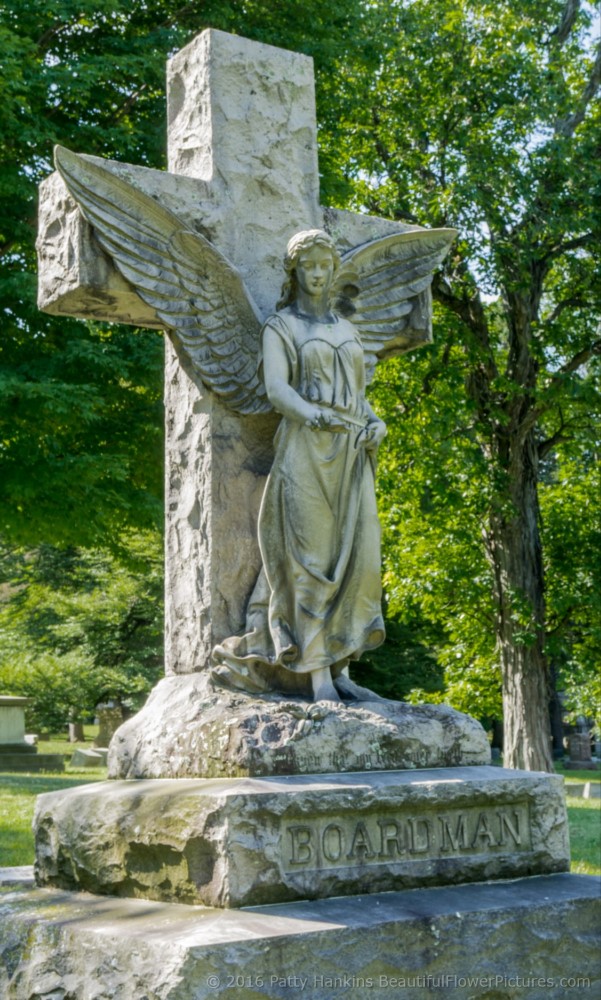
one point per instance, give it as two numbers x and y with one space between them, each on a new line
190 728
531 938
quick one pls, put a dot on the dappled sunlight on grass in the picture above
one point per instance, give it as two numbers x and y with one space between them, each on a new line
18 792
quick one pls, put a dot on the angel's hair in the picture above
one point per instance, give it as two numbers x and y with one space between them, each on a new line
300 243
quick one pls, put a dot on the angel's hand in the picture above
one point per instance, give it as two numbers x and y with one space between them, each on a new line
373 435
320 419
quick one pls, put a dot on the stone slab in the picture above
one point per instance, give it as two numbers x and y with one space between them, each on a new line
244 841
190 728
89 758
32 761
536 938
17 875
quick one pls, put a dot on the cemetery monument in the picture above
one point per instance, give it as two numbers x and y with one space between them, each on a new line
372 840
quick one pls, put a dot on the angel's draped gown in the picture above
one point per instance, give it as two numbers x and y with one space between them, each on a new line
317 601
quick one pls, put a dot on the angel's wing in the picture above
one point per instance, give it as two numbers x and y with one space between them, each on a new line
384 286
195 291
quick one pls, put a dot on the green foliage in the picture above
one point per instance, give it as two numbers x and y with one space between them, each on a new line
482 117
404 663
572 532
433 490
79 627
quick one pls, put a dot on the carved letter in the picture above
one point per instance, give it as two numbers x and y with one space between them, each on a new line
332 842
302 850
361 842
483 831
390 838
505 826
458 839
419 846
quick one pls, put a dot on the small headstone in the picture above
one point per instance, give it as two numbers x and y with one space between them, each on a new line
12 719
76 733
89 758
579 749
110 718
592 790
574 789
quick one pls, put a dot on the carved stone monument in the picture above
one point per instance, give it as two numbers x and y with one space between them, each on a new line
264 777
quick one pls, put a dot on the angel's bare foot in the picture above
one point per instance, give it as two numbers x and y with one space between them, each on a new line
354 692
323 686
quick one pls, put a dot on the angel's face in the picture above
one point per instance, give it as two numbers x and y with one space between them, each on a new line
314 270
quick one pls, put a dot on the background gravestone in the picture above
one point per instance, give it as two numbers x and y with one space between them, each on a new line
16 753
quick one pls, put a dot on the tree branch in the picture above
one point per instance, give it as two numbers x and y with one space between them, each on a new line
568 19
534 413
544 447
573 300
574 244
567 126
579 359
44 40
129 103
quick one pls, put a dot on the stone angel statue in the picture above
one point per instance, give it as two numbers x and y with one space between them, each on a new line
317 601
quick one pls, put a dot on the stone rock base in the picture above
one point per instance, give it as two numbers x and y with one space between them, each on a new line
244 841
190 728
531 938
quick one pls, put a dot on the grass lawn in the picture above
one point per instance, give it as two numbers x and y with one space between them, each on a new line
18 793
17 799
585 835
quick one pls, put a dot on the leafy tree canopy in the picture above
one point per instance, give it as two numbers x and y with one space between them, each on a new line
77 627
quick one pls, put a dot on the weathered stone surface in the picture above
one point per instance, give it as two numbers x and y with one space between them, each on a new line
12 719
89 758
110 717
75 278
17 875
534 938
243 841
191 728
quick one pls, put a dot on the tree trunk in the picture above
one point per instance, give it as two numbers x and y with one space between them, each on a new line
514 550
555 715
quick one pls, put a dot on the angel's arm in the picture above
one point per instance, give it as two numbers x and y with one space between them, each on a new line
276 374
373 417
375 431
285 399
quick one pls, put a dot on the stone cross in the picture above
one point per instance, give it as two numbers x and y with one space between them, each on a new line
242 157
